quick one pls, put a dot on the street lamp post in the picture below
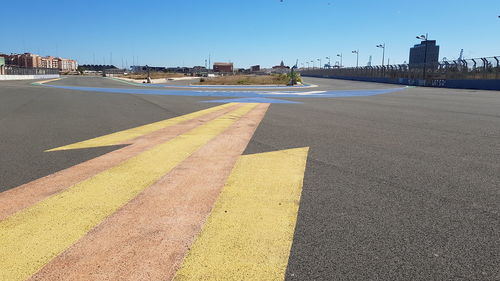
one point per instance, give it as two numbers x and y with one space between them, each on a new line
340 55
329 62
319 63
312 63
357 56
425 38
383 52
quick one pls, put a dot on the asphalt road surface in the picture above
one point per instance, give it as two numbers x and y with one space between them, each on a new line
398 186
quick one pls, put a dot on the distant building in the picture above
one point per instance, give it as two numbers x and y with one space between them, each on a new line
223 67
178 69
417 53
255 68
67 64
144 68
2 65
28 60
281 66
95 67
198 69
280 69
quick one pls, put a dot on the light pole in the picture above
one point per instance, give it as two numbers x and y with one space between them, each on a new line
383 52
425 38
357 56
312 63
319 63
340 56
329 62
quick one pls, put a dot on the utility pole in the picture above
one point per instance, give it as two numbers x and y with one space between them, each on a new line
357 56
382 46
426 39
341 57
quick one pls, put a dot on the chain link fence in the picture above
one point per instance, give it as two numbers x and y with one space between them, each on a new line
13 70
468 69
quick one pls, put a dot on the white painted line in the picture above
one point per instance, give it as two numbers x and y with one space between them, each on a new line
294 93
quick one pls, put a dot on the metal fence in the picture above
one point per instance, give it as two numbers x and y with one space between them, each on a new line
469 69
13 70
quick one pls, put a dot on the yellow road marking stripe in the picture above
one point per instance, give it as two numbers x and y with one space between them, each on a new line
46 81
32 237
249 234
130 134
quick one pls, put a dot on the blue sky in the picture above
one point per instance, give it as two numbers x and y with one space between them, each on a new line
246 32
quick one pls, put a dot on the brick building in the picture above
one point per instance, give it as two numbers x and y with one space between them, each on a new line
28 60
223 67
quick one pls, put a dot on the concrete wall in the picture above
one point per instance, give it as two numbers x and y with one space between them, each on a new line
480 84
28 77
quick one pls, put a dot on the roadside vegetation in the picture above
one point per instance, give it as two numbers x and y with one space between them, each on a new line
273 79
154 75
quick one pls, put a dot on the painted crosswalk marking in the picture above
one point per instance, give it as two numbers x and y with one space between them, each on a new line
75 224
34 236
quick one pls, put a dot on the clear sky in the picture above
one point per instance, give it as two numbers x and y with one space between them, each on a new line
246 32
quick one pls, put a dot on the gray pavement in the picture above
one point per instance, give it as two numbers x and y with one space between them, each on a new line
400 186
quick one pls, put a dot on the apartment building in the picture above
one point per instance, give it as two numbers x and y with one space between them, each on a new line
28 60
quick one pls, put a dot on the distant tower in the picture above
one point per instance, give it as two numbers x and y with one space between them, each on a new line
369 61
461 57
425 52
282 64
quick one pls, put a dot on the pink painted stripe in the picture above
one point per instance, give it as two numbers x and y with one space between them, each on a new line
148 238
16 199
